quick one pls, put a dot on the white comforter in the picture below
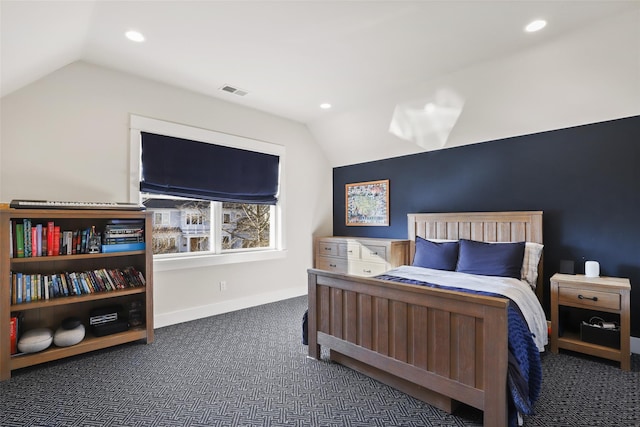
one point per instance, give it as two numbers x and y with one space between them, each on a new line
518 291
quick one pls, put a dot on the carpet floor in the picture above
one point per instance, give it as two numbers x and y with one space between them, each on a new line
249 368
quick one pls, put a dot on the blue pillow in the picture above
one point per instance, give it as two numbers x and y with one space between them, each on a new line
436 255
488 259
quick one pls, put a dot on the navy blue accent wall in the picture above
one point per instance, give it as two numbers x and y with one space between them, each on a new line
586 179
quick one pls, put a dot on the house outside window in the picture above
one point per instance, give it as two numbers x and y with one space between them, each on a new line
247 226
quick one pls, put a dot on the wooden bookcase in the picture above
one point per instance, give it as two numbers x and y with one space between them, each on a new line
50 312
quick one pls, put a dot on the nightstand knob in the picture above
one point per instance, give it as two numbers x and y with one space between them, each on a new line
580 296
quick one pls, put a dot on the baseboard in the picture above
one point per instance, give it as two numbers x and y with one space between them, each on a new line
635 345
167 319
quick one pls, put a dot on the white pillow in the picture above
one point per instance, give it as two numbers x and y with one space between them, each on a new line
530 261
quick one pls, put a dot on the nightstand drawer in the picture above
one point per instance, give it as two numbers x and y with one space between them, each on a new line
337 265
588 299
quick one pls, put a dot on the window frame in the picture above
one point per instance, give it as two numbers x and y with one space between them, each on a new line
200 259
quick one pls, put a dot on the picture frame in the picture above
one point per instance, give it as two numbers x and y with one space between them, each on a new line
367 203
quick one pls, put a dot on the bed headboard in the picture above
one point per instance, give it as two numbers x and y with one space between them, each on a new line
481 226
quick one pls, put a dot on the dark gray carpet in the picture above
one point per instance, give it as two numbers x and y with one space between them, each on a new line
249 368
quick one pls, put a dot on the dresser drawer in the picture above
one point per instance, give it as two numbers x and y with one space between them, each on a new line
337 265
361 268
326 248
349 250
373 253
588 299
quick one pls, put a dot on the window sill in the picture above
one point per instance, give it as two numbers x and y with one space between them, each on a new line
196 261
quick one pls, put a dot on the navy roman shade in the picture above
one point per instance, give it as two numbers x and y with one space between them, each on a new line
181 167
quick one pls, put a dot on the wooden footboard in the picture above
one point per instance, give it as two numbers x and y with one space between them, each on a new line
442 347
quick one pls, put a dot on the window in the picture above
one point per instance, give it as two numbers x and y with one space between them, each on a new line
185 226
243 225
161 217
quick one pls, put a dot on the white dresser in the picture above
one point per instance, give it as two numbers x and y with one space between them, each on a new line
361 256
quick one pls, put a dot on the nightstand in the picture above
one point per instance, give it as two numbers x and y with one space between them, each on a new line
601 294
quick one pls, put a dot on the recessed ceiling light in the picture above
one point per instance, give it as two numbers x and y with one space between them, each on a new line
135 36
536 25
325 106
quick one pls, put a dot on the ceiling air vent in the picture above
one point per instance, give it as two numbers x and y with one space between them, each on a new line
234 90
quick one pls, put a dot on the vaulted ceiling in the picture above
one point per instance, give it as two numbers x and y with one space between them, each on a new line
374 61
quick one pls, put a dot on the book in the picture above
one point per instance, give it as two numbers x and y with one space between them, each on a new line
27 238
123 247
34 241
83 242
44 241
12 289
27 281
13 334
14 246
50 237
38 234
69 241
23 292
75 244
56 240
45 286
18 287
65 284
19 240
107 277
55 282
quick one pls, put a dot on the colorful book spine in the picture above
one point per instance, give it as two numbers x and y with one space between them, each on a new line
123 247
34 241
13 334
38 238
20 240
27 238
64 284
27 281
56 240
44 241
50 237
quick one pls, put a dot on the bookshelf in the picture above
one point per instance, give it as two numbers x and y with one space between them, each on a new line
49 312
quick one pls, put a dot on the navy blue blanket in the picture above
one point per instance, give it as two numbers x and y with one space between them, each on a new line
524 375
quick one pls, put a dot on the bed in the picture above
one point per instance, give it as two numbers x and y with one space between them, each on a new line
442 346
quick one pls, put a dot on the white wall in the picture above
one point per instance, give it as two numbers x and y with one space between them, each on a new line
589 76
66 137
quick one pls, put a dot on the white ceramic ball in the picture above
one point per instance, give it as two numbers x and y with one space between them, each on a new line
35 340
68 337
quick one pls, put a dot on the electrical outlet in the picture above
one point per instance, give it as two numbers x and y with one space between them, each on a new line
223 285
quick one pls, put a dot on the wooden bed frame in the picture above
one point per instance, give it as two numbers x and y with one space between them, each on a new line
442 347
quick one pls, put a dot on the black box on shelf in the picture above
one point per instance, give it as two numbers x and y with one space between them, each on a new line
110 328
595 334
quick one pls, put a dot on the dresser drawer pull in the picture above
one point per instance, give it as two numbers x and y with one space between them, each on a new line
332 265
327 249
366 271
580 296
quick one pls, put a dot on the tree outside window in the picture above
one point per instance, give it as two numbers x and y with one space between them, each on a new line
185 226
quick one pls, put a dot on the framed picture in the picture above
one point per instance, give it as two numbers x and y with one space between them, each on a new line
367 203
